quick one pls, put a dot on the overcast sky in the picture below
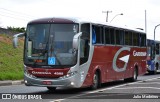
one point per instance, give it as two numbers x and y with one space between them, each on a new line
18 13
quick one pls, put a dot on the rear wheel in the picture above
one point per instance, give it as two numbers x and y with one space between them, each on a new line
135 75
134 78
95 81
155 72
51 88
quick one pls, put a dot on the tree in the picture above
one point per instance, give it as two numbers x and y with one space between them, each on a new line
17 29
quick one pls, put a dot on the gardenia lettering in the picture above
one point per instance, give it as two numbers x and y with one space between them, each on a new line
139 53
33 72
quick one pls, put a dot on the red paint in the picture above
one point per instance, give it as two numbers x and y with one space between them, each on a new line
49 73
103 59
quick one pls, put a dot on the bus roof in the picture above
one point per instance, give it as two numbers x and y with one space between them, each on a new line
68 20
150 41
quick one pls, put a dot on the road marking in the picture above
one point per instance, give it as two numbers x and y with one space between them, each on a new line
122 85
139 88
110 88
149 83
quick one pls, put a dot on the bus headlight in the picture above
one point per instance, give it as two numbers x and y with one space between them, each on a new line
69 74
30 75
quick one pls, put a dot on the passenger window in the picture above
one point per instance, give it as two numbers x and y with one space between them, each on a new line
119 37
98 30
128 38
112 36
143 39
135 39
107 36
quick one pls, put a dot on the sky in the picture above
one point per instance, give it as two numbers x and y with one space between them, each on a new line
17 13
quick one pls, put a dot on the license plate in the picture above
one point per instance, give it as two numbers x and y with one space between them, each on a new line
47 82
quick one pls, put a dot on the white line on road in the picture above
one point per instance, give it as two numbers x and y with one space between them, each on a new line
122 85
110 88
139 88
149 83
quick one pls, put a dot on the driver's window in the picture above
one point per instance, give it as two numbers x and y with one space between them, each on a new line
84 43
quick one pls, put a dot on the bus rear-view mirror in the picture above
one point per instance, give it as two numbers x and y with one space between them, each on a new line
15 39
76 40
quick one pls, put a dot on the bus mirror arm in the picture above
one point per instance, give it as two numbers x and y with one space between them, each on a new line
15 39
76 40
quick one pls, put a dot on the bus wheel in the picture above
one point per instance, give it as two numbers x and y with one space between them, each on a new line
135 75
134 78
95 81
155 71
51 88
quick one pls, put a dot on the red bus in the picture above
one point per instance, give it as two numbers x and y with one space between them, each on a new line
67 52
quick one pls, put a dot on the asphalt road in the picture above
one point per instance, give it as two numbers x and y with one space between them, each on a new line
145 89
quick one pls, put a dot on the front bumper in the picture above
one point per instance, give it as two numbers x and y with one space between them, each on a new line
71 81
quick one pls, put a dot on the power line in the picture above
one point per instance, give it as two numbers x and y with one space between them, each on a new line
13 17
18 13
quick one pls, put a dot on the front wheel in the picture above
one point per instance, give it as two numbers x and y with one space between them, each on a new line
95 81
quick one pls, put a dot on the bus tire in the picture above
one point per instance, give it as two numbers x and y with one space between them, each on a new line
155 71
95 81
135 75
134 78
51 88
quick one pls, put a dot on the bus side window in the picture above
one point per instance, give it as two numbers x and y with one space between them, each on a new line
119 37
99 32
112 36
84 43
143 40
128 38
107 36
135 39
157 48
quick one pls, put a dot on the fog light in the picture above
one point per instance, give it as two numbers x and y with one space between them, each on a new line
72 83
25 81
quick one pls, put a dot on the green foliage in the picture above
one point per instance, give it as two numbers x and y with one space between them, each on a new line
11 59
16 29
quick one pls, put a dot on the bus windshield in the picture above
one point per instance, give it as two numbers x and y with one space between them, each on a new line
50 41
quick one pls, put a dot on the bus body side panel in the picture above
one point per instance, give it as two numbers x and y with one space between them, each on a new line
115 62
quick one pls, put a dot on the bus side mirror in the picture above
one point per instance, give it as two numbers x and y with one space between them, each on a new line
76 40
15 42
15 39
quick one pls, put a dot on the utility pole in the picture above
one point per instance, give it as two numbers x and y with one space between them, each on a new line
106 14
145 21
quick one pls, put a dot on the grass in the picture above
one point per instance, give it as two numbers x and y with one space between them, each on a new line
11 59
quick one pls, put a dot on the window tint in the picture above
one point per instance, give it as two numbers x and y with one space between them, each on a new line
112 36
119 37
107 36
143 40
85 28
128 38
135 39
157 48
84 43
99 31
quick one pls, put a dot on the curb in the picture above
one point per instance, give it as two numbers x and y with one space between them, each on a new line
10 82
